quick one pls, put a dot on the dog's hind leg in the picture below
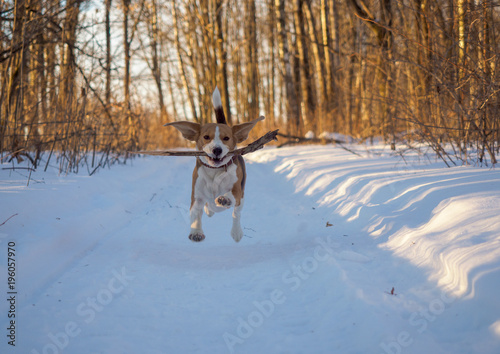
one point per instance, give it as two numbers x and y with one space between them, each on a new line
208 211
236 231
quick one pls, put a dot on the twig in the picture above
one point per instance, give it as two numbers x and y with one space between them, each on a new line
256 145
29 177
12 154
31 169
2 224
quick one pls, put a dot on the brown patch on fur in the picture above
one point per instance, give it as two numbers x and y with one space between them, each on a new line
241 173
238 188
208 130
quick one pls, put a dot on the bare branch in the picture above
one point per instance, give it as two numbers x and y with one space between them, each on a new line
2 224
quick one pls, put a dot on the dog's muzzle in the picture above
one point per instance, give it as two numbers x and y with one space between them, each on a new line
216 158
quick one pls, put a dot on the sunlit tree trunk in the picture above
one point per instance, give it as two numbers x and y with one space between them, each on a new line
132 135
305 78
252 58
155 57
181 64
271 15
108 52
222 82
461 23
286 69
68 60
328 55
318 67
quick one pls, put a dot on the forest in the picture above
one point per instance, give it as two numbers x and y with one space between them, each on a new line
84 82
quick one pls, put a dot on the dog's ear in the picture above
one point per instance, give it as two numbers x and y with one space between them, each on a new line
241 131
189 130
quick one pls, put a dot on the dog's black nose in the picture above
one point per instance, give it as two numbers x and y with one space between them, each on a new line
217 151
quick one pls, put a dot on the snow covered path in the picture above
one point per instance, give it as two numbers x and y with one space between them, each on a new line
341 254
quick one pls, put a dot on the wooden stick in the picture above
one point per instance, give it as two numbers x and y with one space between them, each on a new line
256 145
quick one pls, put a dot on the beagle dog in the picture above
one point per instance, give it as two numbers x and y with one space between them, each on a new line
218 178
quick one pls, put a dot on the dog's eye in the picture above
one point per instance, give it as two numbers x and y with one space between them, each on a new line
226 138
206 137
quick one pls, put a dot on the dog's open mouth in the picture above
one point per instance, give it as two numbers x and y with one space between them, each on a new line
214 161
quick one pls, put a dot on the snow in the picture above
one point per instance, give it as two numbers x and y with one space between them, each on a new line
336 136
341 254
309 135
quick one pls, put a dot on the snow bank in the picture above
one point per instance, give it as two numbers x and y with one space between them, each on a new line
443 219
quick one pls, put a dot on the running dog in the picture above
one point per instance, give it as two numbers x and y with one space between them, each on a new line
218 178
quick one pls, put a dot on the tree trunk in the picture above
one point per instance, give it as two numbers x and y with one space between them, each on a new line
325 36
461 19
207 63
198 60
252 58
336 101
423 50
181 63
108 54
132 132
68 55
155 58
14 65
285 67
126 53
50 54
318 65
270 76
222 62
305 77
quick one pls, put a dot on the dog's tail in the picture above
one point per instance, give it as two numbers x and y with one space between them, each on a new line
219 112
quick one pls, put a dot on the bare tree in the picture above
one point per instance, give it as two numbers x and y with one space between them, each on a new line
252 57
306 81
285 67
108 51
180 60
222 81
154 35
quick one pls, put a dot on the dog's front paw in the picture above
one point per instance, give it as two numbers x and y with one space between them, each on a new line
196 237
223 202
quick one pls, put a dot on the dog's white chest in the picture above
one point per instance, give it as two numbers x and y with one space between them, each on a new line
214 182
